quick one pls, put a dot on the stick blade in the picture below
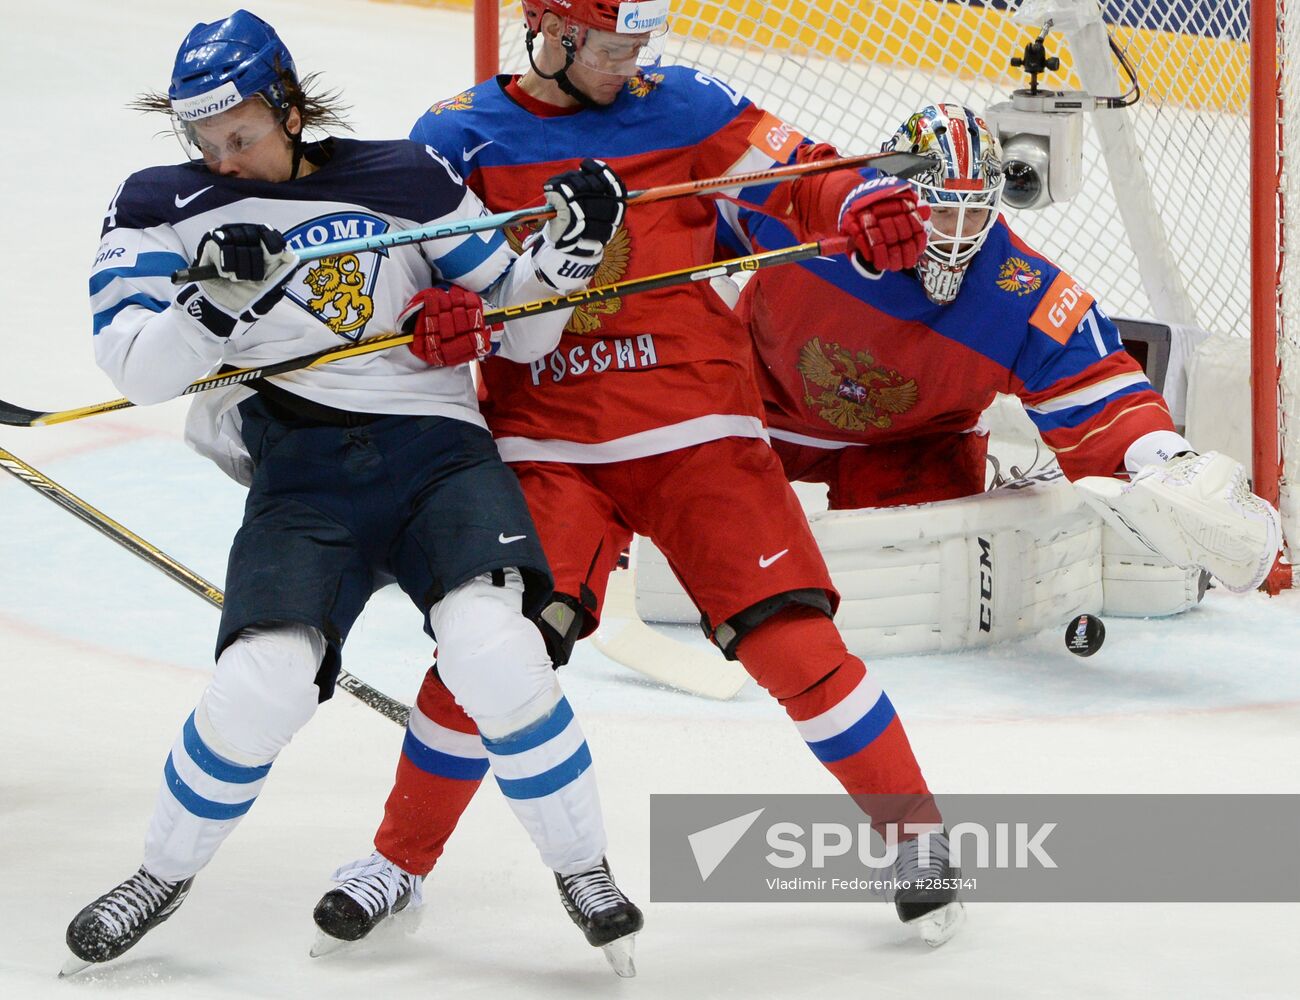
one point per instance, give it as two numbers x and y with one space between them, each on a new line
19 416
903 165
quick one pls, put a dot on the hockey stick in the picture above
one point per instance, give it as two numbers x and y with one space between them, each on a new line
631 643
388 707
19 416
898 164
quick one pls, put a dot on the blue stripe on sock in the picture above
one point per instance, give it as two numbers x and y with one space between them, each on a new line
536 734
861 734
216 766
196 803
548 781
444 765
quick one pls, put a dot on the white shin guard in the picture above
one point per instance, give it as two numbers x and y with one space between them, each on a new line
262 692
494 662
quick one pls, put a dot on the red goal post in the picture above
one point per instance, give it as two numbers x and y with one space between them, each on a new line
1182 217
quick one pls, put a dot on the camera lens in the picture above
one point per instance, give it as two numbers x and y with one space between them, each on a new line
1024 186
1026 160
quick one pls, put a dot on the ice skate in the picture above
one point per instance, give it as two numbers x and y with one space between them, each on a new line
370 890
608 918
118 919
925 895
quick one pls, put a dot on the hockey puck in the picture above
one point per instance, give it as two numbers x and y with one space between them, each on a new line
1084 635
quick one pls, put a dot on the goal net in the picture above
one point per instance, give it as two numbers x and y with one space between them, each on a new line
1164 226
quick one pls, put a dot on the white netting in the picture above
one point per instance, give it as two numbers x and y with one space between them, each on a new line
1289 277
851 72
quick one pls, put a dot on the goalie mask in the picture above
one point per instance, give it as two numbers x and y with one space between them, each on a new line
964 190
616 39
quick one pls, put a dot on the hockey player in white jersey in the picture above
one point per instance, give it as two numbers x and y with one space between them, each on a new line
360 470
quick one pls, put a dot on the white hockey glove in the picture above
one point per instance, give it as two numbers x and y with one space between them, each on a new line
1194 510
253 264
589 203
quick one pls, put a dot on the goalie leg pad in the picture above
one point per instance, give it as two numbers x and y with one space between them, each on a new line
1137 583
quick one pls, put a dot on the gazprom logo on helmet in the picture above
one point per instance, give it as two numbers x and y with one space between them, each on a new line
642 16
215 101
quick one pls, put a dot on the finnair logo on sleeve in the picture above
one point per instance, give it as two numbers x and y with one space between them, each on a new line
189 109
642 16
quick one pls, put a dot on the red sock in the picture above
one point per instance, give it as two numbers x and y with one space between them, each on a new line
442 764
842 714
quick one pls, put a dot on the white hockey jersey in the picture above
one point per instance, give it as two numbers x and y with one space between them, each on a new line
153 228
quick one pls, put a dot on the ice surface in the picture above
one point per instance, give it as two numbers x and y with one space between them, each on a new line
102 657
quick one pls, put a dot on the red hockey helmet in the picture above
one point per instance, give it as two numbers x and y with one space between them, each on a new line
626 18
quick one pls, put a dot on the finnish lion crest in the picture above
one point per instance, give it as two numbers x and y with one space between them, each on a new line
338 292
855 393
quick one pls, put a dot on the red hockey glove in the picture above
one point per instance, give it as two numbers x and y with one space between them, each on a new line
886 222
447 325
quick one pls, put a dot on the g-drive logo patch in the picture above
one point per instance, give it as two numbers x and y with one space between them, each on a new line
189 109
642 16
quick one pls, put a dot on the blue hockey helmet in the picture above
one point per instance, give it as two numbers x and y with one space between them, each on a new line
226 62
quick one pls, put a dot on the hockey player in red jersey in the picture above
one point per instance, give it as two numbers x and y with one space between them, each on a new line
876 384
647 418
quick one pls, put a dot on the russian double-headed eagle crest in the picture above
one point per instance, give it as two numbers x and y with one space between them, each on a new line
856 393
461 102
586 318
643 84
1017 276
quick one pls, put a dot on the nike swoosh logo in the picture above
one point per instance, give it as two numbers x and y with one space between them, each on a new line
469 154
182 202
765 561
505 539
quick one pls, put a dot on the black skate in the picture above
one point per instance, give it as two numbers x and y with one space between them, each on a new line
370 890
608 918
925 896
118 919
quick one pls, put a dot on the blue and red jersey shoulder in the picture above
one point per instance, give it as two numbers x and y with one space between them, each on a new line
670 109
1020 325
666 126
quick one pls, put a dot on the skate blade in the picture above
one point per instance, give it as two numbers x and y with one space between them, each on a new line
938 926
72 965
407 921
620 955
325 944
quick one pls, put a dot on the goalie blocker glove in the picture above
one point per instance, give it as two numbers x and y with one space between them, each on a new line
1194 510
253 263
589 203
887 223
446 326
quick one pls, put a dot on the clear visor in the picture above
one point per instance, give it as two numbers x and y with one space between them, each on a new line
228 134
618 54
960 218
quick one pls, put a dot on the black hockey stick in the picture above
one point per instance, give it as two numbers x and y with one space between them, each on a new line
388 707
20 416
